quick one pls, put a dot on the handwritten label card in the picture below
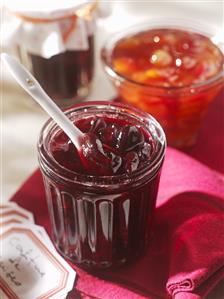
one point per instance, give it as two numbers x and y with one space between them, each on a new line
30 267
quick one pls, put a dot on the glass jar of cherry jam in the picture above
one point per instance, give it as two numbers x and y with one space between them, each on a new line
102 221
67 76
169 70
56 43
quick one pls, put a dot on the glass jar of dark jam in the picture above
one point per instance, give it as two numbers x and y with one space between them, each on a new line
67 76
59 50
103 221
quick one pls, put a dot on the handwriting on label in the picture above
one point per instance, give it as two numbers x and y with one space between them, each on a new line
27 256
13 265
11 275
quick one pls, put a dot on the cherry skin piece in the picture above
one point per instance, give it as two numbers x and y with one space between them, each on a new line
109 135
130 137
131 162
97 125
98 158
145 151
93 156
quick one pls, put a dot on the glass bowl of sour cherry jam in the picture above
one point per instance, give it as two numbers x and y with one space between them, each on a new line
171 73
98 220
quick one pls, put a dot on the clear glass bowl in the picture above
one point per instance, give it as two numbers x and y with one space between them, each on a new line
180 110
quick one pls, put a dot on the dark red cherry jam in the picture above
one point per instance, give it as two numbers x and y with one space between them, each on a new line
103 220
116 147
65 76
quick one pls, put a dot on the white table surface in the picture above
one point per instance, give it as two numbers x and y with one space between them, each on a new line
21 119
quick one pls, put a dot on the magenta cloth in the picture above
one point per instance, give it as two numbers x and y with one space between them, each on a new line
185 258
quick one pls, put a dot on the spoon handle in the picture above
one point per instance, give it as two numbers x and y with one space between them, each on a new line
31 85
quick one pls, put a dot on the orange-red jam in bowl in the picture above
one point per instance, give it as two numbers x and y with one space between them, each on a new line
171 73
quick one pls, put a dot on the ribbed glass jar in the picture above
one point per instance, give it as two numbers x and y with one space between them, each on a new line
101 221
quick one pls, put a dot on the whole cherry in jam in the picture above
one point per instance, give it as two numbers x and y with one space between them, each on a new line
109 147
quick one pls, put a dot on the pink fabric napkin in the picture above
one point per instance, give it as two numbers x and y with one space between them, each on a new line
195 258
185 258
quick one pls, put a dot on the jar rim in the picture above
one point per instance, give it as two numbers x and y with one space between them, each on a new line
180 24
64 174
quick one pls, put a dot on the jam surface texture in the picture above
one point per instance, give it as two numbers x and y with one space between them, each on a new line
167 58
111 147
